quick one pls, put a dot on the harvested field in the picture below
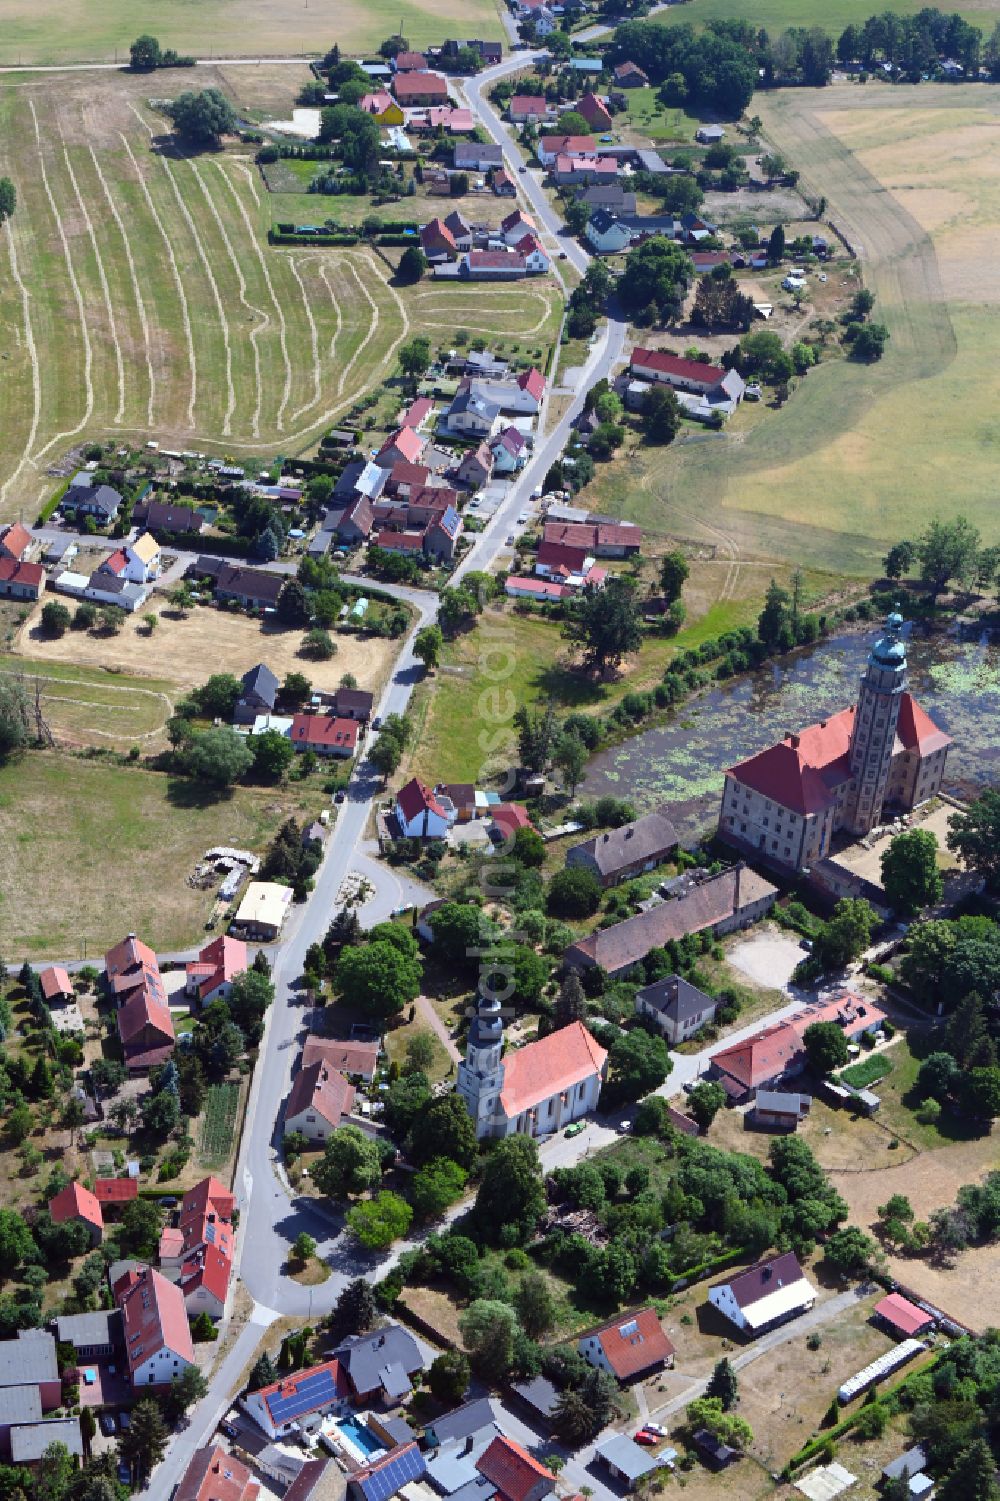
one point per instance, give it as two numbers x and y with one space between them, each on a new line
86 701
100 30
142 298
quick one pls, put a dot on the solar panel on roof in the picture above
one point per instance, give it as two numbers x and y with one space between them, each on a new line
308 1394
394 1473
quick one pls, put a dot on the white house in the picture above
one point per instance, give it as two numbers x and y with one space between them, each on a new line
157 1335
294 1399
422 813
521 397
532 1091
516 226
510 450
536 261
320 1098
607 233
474 413
142 559
676 1007
765 1295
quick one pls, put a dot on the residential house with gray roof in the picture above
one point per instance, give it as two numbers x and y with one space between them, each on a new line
676 1007
619 854
379 1365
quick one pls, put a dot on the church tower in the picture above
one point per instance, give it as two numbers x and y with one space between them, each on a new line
875 719
480 1077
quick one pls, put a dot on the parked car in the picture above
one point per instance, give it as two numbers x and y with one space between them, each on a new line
338 797
656 1428
124 1473
574 1129
125 1421
377 722
107 1423
645 1437
168 1202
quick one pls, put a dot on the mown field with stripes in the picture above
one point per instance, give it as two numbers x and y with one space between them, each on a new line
138 294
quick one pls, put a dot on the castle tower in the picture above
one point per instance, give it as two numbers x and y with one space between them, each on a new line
480 1077
882 687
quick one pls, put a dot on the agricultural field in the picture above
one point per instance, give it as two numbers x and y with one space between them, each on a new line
862 455
140 296
57 899
776 16
102 30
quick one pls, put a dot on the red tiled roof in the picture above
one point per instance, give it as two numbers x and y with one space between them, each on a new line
219 962
522 104
545 588
671 364
558 555
128 955
436 233
419 86
140 1013
917 730
410 62
319 1087
116 1190
532 381
594 111
75 1202
408 444
759 1059
549 1066
348 1057
634 1344
495 259
325 729
171 1243
288 1386
214 1475
400 541
206 1214
15 540
207 1267
903 1315
405 473
413 798
115 562
417 411
802 771
567 144
511 817
602 166
154 1317
515 218
13 572
513 1471
55 982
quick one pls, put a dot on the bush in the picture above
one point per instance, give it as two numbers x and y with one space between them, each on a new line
574 892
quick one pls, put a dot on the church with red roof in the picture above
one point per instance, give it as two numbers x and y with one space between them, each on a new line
534 1090
848 773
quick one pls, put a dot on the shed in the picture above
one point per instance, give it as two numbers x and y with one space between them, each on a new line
626 1461
708 135
902 1317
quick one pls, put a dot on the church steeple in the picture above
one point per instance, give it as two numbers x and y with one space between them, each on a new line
882 687
480 1077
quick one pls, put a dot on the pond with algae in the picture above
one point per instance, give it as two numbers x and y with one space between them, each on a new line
682 761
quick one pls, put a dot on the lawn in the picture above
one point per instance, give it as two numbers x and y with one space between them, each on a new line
868 1071
217 1138
93 705
102 30
101 850
464 714
646 116
141 296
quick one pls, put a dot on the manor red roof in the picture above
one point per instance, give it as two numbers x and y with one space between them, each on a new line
672 364
325 730
75 1202
548 1067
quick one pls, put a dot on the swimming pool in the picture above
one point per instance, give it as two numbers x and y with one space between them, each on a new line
360 1436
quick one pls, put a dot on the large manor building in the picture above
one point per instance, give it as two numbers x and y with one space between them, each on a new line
848 773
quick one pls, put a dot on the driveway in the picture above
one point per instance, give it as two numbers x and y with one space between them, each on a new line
425 1009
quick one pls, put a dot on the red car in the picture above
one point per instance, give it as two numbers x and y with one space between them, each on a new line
645 1437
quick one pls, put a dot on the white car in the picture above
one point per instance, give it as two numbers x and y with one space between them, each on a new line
656 1428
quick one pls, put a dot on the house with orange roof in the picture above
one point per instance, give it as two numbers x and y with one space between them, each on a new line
75 1202
383 106
56 986
594 110
21 580
515 1473
197 1253
535 1090
326 734
157 1334
437 241
113 1192
132 980
847 773
779 1052
16 543
320 1098
631 1348
214 1475
405 446
210 977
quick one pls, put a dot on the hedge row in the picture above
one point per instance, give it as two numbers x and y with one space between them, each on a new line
708 1269
813 1447
282 237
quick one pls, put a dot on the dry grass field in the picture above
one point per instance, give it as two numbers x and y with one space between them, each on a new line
85 700
98 850
139 295
100 30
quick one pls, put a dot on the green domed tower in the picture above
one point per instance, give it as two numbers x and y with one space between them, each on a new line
874 732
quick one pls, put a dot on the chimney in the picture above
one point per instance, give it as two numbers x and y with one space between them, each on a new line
794 741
